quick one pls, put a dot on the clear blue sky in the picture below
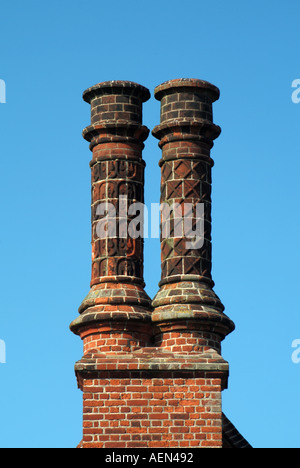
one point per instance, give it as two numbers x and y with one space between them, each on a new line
50 53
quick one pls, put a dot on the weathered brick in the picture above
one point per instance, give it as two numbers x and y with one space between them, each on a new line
151 378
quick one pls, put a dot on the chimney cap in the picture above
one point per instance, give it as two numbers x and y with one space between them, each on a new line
173 85
111 87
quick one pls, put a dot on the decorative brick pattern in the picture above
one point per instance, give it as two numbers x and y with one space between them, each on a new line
151 374
117 300
186 133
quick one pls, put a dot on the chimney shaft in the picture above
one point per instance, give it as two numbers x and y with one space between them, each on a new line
186 304
115 316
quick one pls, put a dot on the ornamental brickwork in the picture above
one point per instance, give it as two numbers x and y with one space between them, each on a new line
187 313
152 372
116 314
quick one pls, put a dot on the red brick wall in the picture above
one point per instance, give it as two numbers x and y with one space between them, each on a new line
138 412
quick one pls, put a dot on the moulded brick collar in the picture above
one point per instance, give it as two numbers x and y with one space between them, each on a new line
171 85
116 86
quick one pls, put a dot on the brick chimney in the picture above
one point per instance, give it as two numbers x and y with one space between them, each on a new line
151 374
115 315
188 314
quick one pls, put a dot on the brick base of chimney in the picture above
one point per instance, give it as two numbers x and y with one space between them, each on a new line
152 399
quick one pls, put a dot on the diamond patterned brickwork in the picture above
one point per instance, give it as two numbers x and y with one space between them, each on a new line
186 296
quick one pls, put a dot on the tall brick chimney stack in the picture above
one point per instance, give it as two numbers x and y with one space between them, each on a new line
188 315
115 316
152 374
